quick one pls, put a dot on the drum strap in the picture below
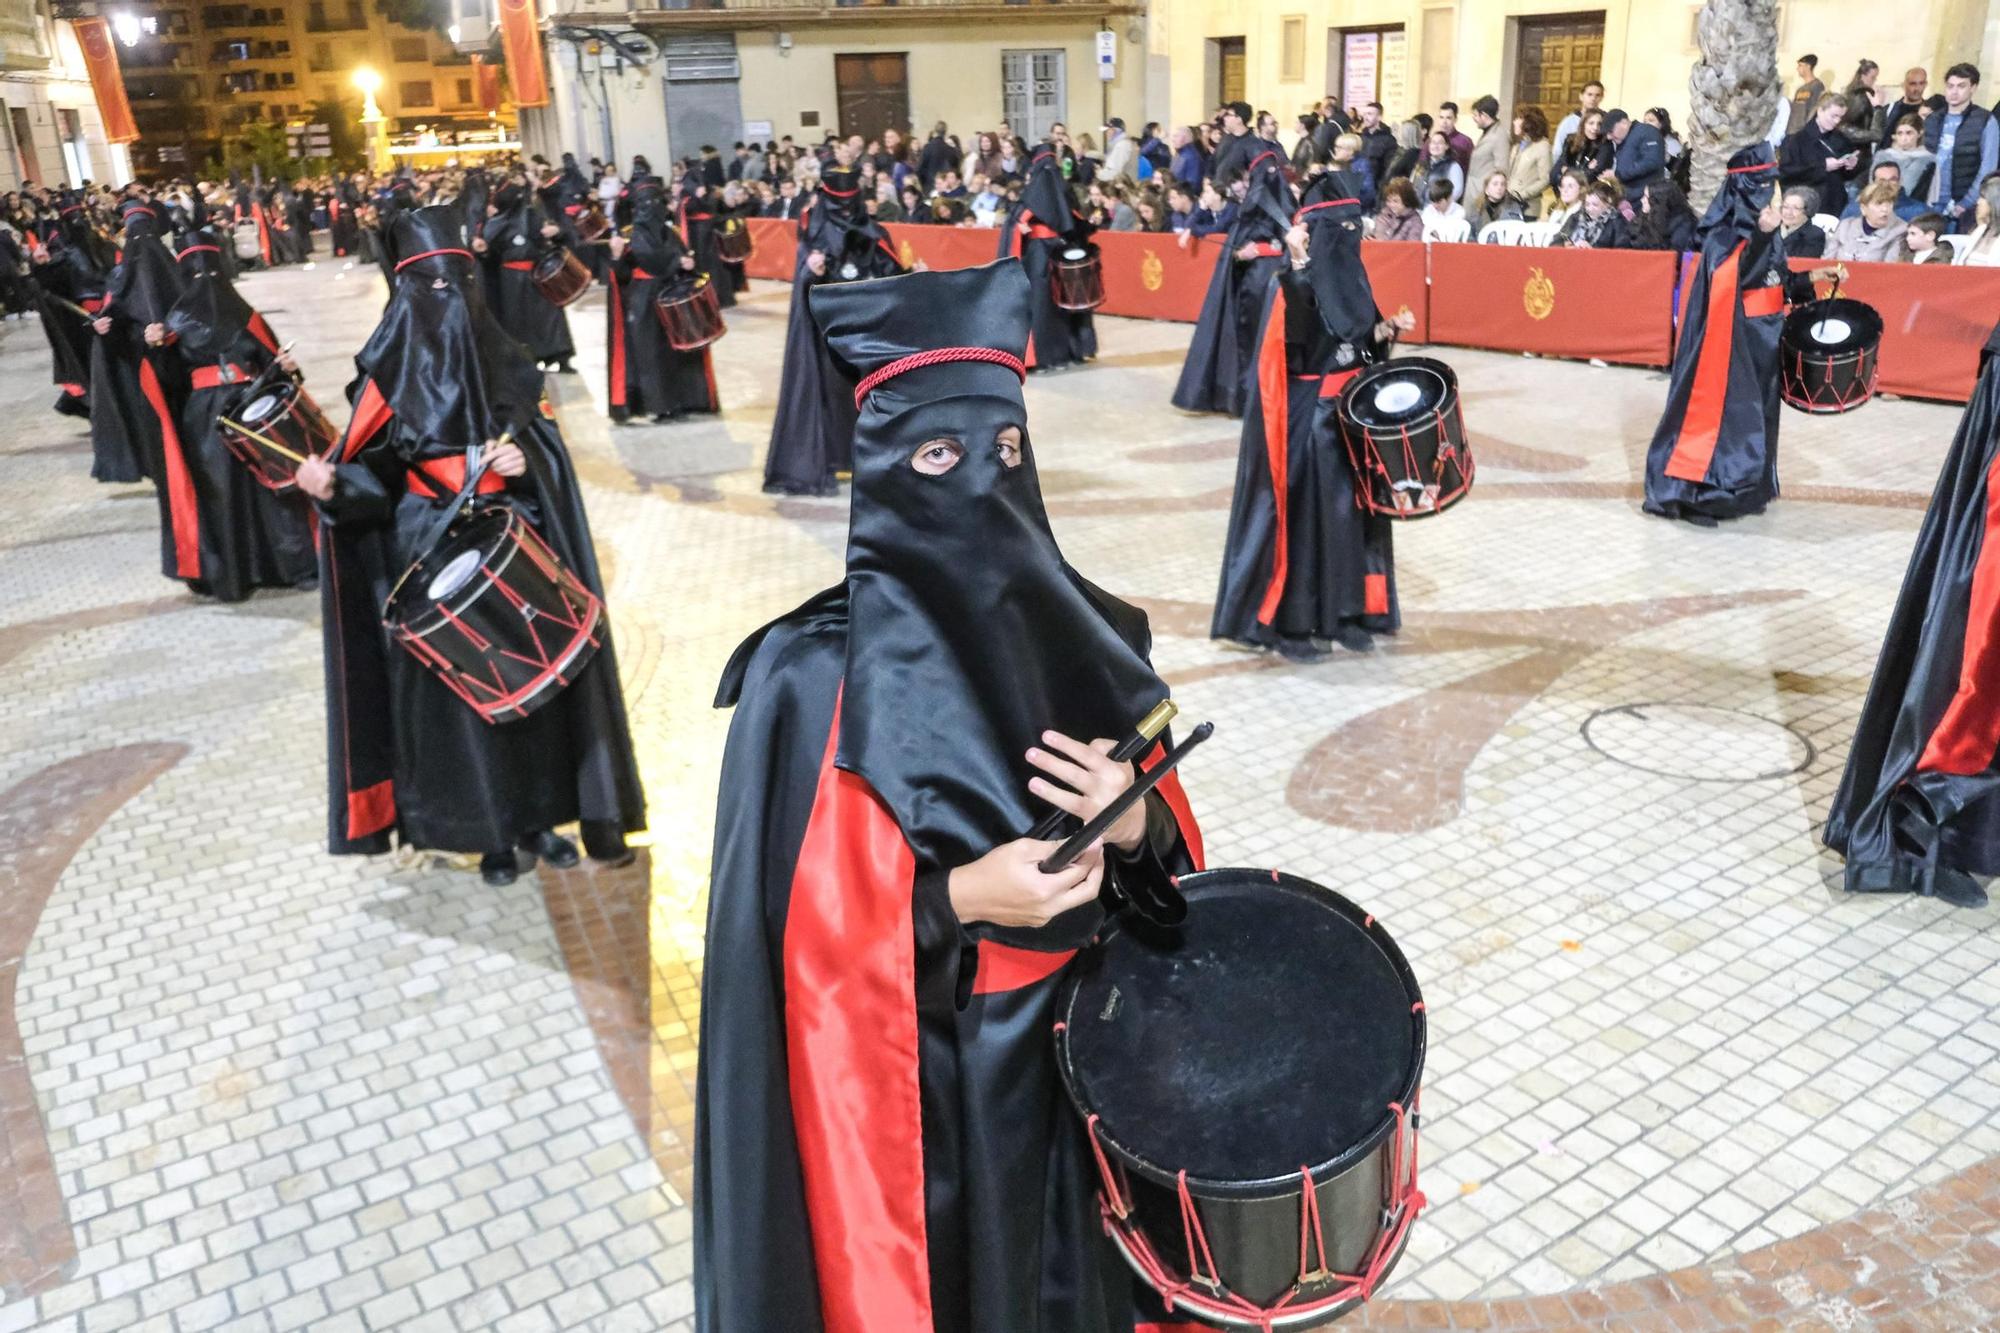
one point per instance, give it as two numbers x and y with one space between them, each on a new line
1042 233
475 473
214 377
520 265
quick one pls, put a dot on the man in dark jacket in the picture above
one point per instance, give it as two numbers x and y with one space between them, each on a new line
1966 139
1378 141
1915 80
938 154
1238 146
1820 156
1641 154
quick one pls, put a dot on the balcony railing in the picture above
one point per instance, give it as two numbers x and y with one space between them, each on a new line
708 12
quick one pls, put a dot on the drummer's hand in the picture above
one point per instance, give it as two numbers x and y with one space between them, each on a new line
479 245
1829 273
1295 240
288 363
102 323
551 229
1768 219
1005 887
506 459
816 261
1087 780
687 262
156 334
1247 251
1403 319
617 247
315 477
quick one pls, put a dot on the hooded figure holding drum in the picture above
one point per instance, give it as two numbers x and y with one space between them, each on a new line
1222 351
648 374
518 233
473 701
1047 234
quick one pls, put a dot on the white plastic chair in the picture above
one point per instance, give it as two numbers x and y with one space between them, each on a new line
1506 231
1826 222
1451 231
1957 244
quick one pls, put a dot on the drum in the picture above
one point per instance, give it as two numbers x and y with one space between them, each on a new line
733 242
1249 1084
245 241
496 615
1826 355
560 276
283 415
691 316
592 227
1405 436
1077 279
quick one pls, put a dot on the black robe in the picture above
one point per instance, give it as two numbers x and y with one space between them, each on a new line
514 242
248 536
813 430
1061 337
342 226
136 390
1221 355
1715 452
1918 810
696 219
1339 561
646 373
69 279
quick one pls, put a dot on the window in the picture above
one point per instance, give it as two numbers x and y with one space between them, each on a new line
238 51
410 50
1032 91
417 92
286 79
464 91
1292 49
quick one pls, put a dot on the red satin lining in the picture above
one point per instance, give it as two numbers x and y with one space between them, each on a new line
179 482
371 413
618 387
1761 301
261 331
371 809
1327 203
1703 420
851 1043
1969 732
214 377
1375 594
1274 394
519 265
1002 967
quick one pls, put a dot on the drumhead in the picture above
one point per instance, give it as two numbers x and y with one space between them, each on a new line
1837 324
549 263
456 573
1270 1031
1075 252
263 407
1395 392
849 272
1832 331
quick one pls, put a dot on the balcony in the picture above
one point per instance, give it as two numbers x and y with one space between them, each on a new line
336 17
740 13
241 16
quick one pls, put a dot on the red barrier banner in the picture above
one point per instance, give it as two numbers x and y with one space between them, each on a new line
100 57
1615 305
1151 275
521 38
1935 318
944 247
1398 271
774 246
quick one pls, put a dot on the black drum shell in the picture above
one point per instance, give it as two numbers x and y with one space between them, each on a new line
734 243
1824 379
1436 422
1252 1226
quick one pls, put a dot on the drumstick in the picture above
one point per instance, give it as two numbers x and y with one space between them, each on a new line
1080 841
264 440
70 306
1127 750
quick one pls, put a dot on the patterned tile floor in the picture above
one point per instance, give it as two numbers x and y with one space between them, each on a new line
1677 1079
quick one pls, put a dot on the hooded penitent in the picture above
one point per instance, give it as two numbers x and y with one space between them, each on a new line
248 536
694 216
405 754
814 425
1715 452
1918 810
878 1114
136 391
70 290
646 373
514 245
1057 337
1301 560
1215 375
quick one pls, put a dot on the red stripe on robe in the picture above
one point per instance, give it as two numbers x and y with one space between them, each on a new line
618 390
181 510
1702 422
851 1044
1969 732
262 333
1274 395
371 809
371 413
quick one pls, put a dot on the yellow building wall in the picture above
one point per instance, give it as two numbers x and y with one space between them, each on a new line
1648 46
954 72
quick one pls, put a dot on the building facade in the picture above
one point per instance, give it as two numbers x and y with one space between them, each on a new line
1410 55
200 72
49 124
716 71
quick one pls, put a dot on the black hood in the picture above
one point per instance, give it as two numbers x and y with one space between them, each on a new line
1341 291
145 283
210 316
199 251
454 377
1045 194
1732 214
968 635
653 245
1269 196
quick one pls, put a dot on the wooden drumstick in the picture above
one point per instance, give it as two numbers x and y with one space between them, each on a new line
264 440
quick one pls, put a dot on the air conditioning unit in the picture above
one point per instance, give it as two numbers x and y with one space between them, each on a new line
471 26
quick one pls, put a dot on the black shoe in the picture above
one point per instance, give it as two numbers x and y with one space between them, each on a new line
552 847
565 368
1354 638
604 843
499 869
1301 650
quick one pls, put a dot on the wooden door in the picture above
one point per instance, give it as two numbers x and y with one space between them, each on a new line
874 92
1557 55
24 147
1230 50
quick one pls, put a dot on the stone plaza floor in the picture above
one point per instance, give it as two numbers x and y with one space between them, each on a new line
1676 1079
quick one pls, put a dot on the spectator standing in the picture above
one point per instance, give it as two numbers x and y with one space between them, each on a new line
1865 102
1409 148
1398 220
1587 101
1805 97
1187 167
1447 125
1875 235
1911 104
1378 142
1306 153
1347 157
1587 150
1965 138
1119 152
1490 154
1492 204
1530 165
1236 146
1639 155
1914 163
1819 156
1677 156
1154 150
1439 163
939 155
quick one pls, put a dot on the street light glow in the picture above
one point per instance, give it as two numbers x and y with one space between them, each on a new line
125 25
367 80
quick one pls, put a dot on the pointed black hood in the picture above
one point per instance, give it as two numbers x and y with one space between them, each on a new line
1045 194
1333 220
968 635
1732 214
145 283
452 374
1269 196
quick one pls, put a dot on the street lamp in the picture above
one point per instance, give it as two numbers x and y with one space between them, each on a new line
125 26
373 127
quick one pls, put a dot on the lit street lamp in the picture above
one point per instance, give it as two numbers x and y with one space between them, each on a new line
374 128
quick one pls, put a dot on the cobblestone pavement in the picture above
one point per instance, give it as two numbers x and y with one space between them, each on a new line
1676 1078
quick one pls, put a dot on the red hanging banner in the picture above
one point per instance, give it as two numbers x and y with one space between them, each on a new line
486 83
100 57
523 41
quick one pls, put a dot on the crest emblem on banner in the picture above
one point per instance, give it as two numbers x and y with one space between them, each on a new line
1152 272
907 254
1538 296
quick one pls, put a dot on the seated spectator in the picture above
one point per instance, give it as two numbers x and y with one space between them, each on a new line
1798 236
1220 212
1982 246
1443 218
886 208
1439 163
1913 161
1570 187
1181 207
1493 205
1921 243
1123 216
985 199
1664 220
1530 164
912 200
1598 225
948 185
787 204
1151 210
1876 235
1398 220
1891 174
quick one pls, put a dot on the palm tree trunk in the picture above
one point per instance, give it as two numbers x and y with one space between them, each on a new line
1733 91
